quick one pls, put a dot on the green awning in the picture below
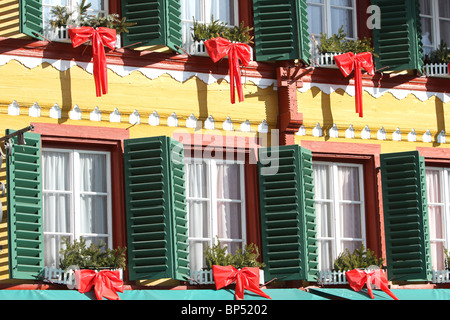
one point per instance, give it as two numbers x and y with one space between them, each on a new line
401 294
222 294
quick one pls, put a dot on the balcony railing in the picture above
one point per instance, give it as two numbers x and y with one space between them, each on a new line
61 34
61 276
436 70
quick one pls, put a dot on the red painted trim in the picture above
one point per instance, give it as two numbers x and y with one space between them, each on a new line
435 156
361 19
95 138
369 156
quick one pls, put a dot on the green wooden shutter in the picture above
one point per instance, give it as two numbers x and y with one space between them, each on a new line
288 221
398 43
406 216
156 209
158 22
31 20
281 30
24 200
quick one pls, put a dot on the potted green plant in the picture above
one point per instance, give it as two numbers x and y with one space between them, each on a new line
218 254
361 258
205 31
327 47
79 254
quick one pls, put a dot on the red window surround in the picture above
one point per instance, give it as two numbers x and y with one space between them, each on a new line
369 157
238 148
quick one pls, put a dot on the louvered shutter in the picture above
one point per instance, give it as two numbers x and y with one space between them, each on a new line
281 30
31 21
158 23
24 201
288 221
156 209
406 216
398 43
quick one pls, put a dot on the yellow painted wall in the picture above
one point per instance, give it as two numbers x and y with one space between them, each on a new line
9 19
386 111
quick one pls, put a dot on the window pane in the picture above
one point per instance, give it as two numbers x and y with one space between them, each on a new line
93 172
228 181
196 175
326 259
427 31
437 255
345 3
444 8
315 22
342 17
433 186
322 181
425 7
324 219
229 220
97 5
445 32
199 223
196 249
96 240
93 214
190 9
348 183
224 11
56 212
56 170
351 220
231 246
351 245
436 222
52 245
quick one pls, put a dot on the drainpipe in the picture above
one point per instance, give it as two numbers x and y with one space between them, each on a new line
289 120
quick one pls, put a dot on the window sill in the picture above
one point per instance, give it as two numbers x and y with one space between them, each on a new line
61 34
206 277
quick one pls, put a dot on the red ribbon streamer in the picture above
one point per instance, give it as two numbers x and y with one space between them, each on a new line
245 278
106 283
348 62
218 48
100 37
357 278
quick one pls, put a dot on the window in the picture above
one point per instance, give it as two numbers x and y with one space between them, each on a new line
438 198
203 11
327 16
76 199
215 206
339 200
97 7
435 21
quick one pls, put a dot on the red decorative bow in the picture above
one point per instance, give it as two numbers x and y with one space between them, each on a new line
348 62
100 37
218 48
106 283
357 278
245 278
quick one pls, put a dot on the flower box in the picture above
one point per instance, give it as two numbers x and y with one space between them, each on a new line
325 60
206 277
61 276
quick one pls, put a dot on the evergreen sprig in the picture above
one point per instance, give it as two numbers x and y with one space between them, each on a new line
359 259
217 28
338 43
246 257
440 55
94 256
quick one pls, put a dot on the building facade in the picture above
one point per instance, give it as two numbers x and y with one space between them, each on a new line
165 165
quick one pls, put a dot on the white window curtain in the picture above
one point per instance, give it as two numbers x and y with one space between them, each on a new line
76 199
438 205
215 202
328 16
339 200
435 23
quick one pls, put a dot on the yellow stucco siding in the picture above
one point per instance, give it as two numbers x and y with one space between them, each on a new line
46 85
385 111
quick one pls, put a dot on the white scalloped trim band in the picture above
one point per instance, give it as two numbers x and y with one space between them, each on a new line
376 92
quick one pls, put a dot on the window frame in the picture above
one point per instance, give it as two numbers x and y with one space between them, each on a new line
76 194
444 190
326 15
435 25
337 237
212 200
